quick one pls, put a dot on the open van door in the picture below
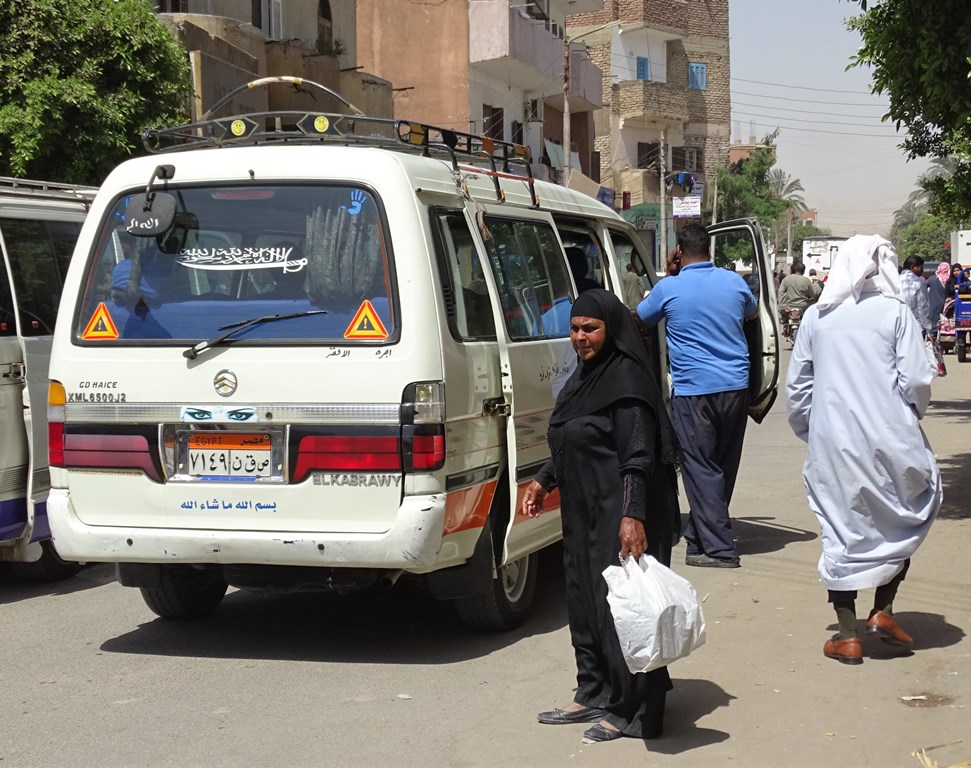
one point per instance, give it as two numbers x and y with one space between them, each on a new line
531 294
37 246
742 239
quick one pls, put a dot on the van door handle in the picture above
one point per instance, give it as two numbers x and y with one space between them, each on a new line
15 373
495 406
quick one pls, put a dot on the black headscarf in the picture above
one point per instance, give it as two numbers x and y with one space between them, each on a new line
619 371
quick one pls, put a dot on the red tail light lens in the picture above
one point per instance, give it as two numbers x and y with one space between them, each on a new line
358 453
427 452
55 443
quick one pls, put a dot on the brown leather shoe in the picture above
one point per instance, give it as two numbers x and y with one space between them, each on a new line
887 629
847 651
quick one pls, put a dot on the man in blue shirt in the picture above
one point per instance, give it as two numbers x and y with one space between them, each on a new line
705 309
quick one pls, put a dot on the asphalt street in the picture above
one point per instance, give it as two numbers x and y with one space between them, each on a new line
90 677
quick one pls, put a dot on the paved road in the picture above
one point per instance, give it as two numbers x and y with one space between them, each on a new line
91 678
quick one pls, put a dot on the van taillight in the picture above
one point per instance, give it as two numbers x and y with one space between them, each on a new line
347 453
423 426
55 423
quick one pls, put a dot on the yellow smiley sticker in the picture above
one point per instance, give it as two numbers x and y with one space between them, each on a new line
321 124
238 127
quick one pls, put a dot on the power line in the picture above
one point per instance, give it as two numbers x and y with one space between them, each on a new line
808 101
820 122
801 111
799 87
828 133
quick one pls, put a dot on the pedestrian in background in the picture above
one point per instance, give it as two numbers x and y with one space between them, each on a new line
633 288
705 310
937 294
857 385
613 456
913 291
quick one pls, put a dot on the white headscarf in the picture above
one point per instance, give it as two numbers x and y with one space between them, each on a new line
863 264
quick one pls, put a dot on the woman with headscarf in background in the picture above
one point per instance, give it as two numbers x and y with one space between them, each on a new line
857 385
613 457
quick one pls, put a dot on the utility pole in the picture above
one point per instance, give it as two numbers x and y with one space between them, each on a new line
789 256
662 214
567 159
714 216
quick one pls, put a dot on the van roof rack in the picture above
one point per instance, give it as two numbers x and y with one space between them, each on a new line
352 128
48 189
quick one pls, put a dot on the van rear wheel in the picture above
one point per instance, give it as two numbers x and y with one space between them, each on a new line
50 567
186 593
507 603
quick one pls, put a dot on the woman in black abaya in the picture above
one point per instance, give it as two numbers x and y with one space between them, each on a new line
613 457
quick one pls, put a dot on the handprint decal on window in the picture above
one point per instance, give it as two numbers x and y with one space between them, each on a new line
357 202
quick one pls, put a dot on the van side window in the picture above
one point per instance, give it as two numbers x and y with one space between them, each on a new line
39 252
628 254
467 301
531 273
594 255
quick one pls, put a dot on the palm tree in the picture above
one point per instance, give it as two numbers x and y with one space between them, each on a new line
906 216
784 187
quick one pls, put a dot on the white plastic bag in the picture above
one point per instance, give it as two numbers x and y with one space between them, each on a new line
657 613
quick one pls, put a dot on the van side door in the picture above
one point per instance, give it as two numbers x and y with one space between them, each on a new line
532 294
37 248
742 239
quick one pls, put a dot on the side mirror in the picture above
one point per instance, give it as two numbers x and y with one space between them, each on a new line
149 215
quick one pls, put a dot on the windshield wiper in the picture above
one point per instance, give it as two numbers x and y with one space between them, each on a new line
192 352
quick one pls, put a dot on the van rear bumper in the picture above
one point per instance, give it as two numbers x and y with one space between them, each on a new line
412 544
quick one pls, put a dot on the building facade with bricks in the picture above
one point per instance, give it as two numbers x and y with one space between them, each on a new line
666 104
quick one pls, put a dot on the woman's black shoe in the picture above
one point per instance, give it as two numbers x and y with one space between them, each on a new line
563 717
599 733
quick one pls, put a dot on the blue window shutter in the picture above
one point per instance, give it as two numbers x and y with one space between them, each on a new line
643 72
698 77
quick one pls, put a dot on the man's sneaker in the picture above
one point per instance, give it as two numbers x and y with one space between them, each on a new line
704 561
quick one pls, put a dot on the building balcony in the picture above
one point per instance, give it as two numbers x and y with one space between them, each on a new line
514 47
657 102
586 86
666 14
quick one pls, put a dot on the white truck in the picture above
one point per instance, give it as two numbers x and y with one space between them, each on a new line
818 254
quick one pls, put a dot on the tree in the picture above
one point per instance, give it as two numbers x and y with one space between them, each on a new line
745 191
803 231
79 81
917 51
786 188
907 216
929 238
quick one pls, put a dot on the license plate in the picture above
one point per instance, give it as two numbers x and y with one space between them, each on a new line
229 454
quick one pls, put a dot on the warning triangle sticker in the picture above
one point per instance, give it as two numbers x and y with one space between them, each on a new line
100 326
366 324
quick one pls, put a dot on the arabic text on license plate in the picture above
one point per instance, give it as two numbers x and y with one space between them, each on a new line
227 454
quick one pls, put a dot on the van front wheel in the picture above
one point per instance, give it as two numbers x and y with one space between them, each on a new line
186 593
507 603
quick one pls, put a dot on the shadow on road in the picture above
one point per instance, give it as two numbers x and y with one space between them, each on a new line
758 535
956 476
953 410
399 625
690 701
14 589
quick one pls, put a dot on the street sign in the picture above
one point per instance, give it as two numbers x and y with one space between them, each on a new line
686 207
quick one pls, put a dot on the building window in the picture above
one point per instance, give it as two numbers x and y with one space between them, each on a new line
517 132
648 155
325 24
492 122
686 159
697 76
643 70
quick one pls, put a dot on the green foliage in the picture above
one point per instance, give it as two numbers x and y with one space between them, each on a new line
917 52
335 47
929 238
800 232
745 190
79 81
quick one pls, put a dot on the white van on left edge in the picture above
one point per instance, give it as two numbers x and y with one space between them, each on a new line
39 225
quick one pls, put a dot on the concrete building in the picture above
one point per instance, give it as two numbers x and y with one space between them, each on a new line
492 67
231 42
666 104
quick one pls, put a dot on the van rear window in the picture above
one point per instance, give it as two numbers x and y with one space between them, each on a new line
234 254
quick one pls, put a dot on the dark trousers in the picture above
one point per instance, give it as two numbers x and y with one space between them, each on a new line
711 429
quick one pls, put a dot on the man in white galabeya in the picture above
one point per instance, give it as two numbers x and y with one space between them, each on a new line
857 385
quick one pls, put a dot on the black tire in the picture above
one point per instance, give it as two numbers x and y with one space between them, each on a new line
50 567
961 350
186 593
506 605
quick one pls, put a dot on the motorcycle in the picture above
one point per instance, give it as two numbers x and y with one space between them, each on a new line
791 317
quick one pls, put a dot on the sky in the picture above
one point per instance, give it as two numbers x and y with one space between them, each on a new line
788 70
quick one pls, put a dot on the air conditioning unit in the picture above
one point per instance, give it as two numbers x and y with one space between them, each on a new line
533 110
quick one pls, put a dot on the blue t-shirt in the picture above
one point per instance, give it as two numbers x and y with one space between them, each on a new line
704 308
